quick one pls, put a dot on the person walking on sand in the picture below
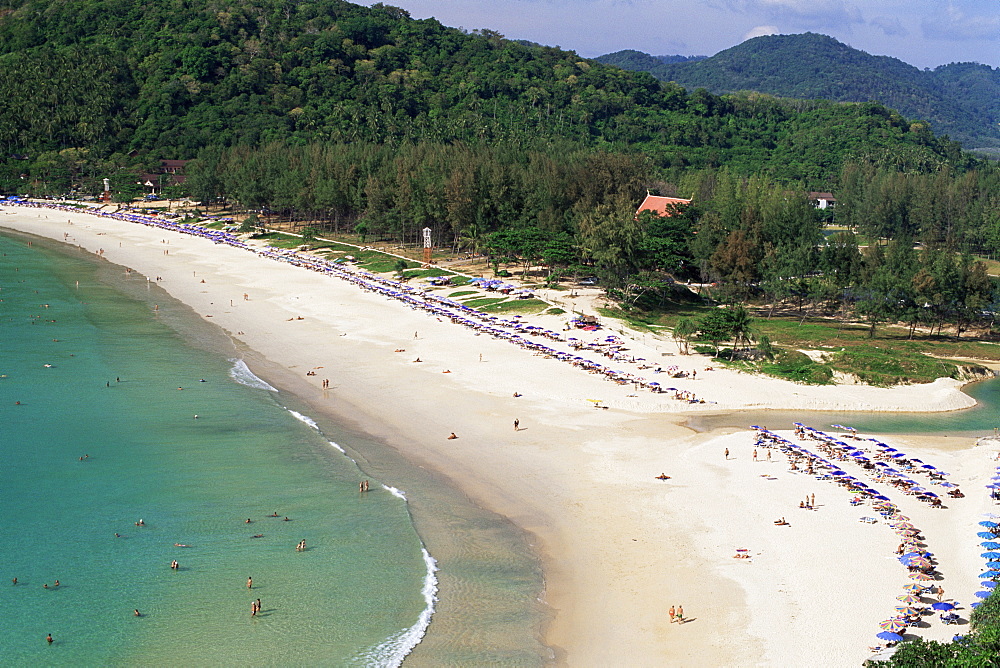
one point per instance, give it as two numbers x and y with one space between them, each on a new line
517 423
671 612
940 593
680 614
755 454
727 453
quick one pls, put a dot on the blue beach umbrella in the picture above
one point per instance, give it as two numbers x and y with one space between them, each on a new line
990 555
988 575
991 545
985 534
976 604
993 565
888 635
989 584
989 524
943 606
983 594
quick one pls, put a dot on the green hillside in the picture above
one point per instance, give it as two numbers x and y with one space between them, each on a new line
960 100
362 122
168 79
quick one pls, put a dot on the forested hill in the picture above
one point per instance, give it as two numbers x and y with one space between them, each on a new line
167 79
961 100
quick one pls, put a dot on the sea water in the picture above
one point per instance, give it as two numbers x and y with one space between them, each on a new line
115 409
980 420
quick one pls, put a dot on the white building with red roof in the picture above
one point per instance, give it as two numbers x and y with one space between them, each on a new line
661 206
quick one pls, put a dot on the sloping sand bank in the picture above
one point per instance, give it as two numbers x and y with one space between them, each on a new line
619 546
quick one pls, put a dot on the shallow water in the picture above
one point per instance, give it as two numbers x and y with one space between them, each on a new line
980 420
111 394
358 596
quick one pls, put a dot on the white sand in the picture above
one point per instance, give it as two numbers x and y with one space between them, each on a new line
618 546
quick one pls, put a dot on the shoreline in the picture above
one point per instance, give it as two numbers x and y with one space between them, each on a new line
614 542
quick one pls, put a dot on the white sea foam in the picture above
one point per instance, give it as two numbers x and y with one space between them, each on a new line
395 492
242 374
395 648
303 418
337 446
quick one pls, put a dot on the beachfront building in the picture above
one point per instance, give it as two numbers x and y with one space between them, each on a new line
661 206
823 200
169 173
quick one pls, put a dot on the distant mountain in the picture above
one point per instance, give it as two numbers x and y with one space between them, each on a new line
669 60
637 61
961 100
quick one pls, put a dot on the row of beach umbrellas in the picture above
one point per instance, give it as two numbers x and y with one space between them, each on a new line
513 330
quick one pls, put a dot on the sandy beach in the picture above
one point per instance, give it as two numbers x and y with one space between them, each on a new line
618 546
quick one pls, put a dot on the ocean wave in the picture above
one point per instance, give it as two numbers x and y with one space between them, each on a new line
337 446
242 374
303 418
395 492
394 649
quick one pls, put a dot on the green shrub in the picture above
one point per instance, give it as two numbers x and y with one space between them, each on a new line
798 367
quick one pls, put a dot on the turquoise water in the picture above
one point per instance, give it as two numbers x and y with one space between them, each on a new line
979 420
111 394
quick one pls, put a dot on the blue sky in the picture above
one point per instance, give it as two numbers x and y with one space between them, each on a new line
924 33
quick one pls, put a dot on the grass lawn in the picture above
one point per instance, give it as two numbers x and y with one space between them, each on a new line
516 306
888 359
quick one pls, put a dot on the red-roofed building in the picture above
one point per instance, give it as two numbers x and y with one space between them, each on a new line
170 173
661 206
823 200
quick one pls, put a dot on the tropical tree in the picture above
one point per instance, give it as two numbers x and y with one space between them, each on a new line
684 331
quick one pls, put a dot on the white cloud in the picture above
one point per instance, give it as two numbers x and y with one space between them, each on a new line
807 14
760 31
952 23
890 26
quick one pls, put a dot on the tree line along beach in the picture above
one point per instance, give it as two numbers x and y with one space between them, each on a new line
617 546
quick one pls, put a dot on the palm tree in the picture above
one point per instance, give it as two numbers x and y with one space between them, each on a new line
742 326
685 329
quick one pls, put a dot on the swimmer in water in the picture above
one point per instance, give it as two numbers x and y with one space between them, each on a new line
137 613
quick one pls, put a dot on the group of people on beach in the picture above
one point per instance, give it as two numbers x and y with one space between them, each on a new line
881 464
511 330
